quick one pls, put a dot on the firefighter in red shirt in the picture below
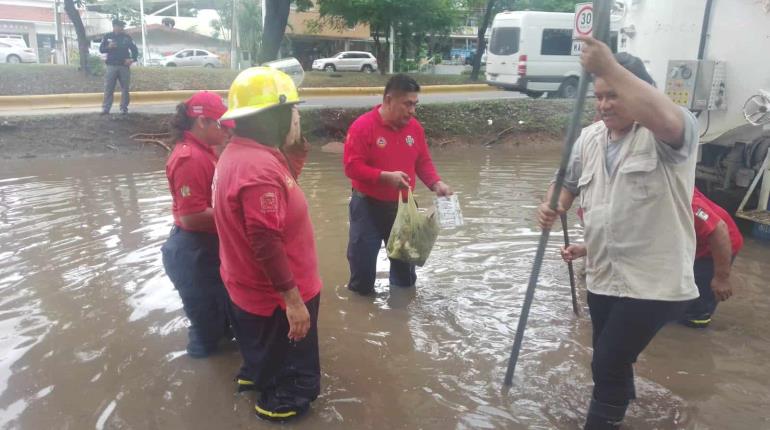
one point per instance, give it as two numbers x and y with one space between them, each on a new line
191 254
718 241
269 262
385 150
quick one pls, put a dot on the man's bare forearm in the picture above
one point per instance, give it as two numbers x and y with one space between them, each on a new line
721 250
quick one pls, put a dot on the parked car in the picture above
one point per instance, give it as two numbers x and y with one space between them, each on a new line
192 58
16 54
357 61
14 40
531 52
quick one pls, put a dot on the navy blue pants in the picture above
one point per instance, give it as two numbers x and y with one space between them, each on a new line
370 223
191 260
622 328
286 373
704 306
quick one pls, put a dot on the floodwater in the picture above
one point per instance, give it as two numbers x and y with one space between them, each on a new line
92 333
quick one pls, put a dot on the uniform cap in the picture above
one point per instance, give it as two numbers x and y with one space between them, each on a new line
208 105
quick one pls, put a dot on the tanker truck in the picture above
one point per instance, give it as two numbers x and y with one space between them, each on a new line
713 57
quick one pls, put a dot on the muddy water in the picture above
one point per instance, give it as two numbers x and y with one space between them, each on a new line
92 334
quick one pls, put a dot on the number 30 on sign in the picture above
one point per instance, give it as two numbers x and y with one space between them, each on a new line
584 20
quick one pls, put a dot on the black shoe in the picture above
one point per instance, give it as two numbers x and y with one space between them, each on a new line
275 409
700 322
124 111
245 385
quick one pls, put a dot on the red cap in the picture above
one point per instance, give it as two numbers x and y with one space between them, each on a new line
208 105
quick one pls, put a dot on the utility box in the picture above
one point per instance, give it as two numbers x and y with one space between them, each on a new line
698 85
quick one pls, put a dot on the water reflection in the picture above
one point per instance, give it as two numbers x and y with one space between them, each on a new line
92 332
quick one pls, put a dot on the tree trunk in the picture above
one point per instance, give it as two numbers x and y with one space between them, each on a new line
381 61
74 15
276 18
481 46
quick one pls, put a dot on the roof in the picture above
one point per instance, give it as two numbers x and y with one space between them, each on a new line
160 28
29 13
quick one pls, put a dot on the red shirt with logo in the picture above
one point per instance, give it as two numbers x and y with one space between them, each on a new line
707 217
372 147
190 170
254 188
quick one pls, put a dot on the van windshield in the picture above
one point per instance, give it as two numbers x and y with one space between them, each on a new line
504 40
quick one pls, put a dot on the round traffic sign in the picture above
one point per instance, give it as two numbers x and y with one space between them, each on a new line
584 20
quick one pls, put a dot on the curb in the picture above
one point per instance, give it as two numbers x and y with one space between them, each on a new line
59 101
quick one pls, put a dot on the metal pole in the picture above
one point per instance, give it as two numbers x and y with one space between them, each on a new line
59 45
145 51
391 57
234 57
177 8
601 11
570 269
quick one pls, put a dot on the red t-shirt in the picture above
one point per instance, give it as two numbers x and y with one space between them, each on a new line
707 216
254 188
372 147
190 170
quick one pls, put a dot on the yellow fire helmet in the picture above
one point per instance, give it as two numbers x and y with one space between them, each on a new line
257 89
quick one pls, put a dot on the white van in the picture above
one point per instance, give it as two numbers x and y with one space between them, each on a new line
530 52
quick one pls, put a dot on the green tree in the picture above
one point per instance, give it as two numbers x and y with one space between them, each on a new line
71 8
412 18
276 18
117 9
547 5
487 10
249 24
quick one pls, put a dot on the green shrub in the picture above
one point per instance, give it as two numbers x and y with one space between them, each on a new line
95 63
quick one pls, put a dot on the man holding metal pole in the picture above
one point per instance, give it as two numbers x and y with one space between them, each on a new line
633 173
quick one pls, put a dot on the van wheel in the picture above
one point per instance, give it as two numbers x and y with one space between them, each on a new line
330 68
13 59
534 94
367 69
209 65
171 65
569 88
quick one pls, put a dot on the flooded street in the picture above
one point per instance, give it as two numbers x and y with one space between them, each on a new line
92 333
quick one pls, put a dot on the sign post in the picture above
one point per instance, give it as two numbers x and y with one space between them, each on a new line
583 26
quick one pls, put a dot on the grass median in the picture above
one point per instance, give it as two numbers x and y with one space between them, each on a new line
36 79
516 122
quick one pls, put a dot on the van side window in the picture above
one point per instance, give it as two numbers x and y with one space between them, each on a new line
556 41
504 40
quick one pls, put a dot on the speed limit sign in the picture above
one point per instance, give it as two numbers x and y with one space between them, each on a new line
584 24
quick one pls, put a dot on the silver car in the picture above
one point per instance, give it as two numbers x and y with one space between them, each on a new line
192 58
12 53
356 61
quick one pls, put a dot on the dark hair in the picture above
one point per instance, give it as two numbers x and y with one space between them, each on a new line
401 83
180 123
634 65
118 23
268 127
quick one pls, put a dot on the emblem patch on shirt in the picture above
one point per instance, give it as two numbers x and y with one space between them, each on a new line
409 140
381 142
289 182
185 191
702 215
268 203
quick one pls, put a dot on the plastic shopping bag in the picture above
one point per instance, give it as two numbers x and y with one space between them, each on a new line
413 233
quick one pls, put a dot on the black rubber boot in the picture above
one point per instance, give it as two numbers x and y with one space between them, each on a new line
603 416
